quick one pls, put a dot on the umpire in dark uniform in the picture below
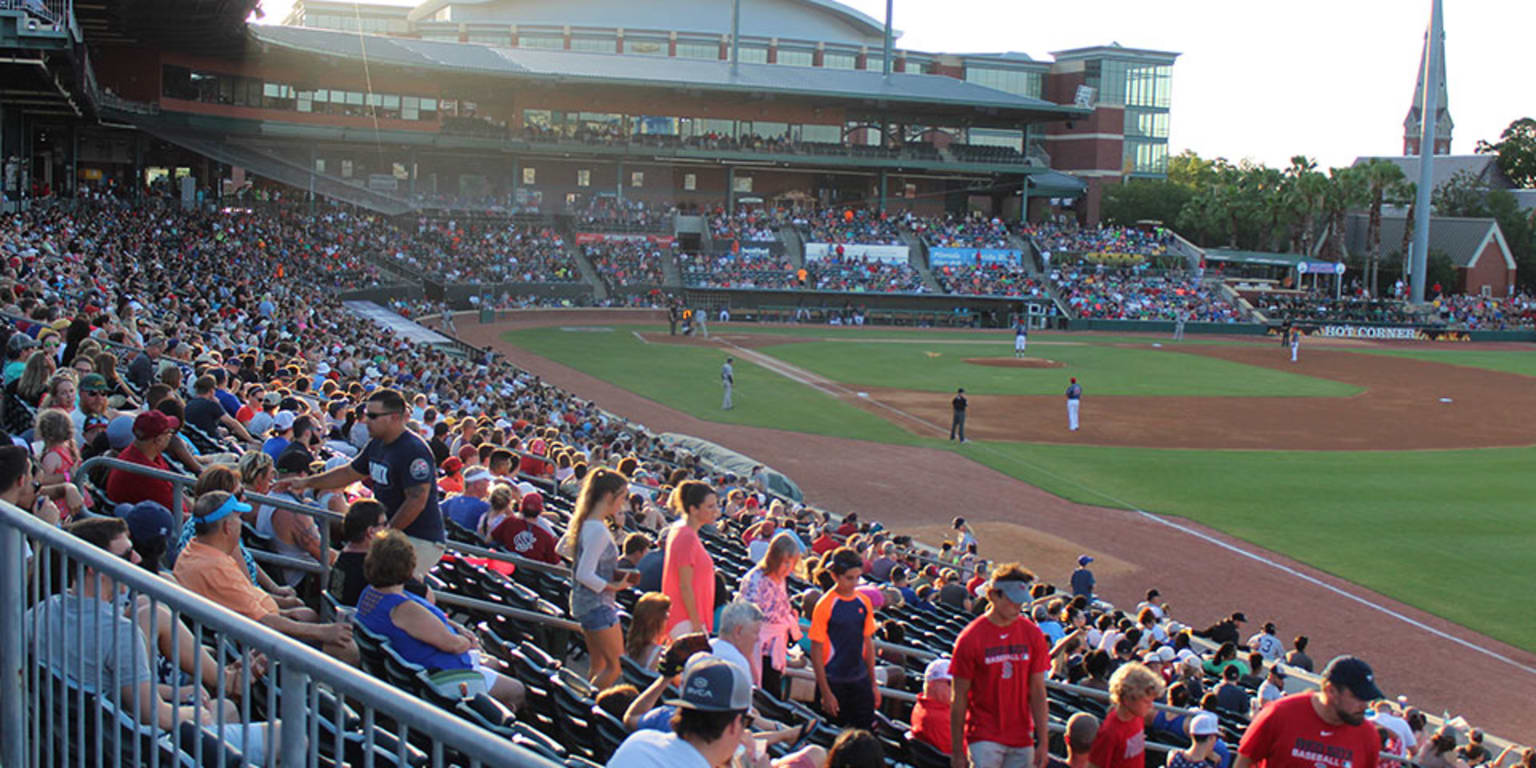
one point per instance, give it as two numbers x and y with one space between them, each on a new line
957 421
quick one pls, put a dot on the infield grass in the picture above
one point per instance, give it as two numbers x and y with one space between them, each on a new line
1107 369
1519 362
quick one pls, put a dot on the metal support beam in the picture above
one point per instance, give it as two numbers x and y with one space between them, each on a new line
1428 117
890 34
735 36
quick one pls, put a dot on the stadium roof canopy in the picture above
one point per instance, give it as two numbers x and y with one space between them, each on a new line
933 96
1252 257
204 27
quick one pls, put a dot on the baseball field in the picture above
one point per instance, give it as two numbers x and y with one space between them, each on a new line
1393 482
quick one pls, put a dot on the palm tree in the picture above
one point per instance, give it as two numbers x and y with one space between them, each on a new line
1304 196
1379 176
1345 189
1406 193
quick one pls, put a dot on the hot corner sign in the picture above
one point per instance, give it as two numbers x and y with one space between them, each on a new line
1320 267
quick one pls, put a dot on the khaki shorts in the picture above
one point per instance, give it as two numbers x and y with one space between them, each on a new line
427 555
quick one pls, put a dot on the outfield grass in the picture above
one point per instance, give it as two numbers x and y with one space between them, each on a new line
1510 361
688 379
1108 370
1446 531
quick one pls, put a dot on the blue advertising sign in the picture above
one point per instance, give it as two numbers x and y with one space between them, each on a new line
955 257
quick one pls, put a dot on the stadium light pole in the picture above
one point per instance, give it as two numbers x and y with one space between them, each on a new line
735 36
1434 43
885 61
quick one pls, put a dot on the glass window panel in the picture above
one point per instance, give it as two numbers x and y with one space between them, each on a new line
546 42
637 179
873 62
751 54
594 44
429 105
690 181
795 58
583 178
832 60
769 130
698 50
824 134
530 175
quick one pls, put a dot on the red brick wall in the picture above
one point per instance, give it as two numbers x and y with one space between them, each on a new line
1490 271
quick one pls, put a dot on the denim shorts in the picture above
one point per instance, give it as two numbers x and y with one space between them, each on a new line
601 617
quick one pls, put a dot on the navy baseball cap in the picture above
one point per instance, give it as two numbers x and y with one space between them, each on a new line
148 521
712 684
1354 674
1084 559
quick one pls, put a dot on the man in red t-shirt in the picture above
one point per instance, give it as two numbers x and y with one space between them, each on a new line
1325 728
999 711
522 534
930 718
153 432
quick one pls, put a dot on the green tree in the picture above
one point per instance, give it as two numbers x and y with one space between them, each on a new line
1140 199
1379 177
1346 189
1303 196
1516 149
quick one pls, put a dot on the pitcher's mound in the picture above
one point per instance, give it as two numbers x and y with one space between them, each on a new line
1015 362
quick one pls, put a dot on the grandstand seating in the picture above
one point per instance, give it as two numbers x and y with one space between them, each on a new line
848 225
990 280
1301 307
1490 313
838 273
729 270
270 283
1138 294
629 262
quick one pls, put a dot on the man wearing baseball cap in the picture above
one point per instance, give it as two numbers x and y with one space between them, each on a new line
153 432
467 507
930 718
1082 578
709 724
1326 727
998 718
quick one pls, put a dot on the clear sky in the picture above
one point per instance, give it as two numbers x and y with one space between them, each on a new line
1331 79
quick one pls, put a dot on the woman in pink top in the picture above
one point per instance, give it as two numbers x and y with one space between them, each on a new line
688 575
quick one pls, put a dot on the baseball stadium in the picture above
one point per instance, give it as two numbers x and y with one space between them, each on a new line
516 383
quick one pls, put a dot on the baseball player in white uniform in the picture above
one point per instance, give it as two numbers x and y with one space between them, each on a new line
1020 339
1074 400
727 380
1295 342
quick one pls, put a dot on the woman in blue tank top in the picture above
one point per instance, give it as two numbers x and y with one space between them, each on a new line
418 630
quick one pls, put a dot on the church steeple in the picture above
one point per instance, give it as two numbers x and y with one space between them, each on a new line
1412 125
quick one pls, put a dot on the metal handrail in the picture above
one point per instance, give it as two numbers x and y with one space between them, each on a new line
298 660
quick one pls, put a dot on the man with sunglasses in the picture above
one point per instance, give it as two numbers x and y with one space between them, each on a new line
398 465
94 392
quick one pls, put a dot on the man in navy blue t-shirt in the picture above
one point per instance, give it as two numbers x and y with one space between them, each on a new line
398 465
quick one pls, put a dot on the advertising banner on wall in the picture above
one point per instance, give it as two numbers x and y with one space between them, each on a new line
749 249
945 256
591 238
890 254
1380 332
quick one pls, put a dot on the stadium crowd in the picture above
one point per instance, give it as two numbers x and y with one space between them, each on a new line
737 270
610 214
629 262
849 273
1308 307
967 232
1137 294
788 633
989 280
456 252
1071 239
747 225
1487 313
848 225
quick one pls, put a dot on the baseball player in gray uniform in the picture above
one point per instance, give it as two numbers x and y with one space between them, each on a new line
727 380
1074 400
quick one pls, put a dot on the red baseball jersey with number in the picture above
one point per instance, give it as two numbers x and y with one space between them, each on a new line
999 661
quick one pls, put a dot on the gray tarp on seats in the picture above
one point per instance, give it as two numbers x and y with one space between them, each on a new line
728 460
